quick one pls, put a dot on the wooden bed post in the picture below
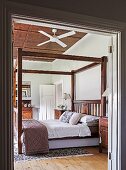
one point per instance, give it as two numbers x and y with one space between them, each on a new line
103 85
14 88
14 83
72 90
19 104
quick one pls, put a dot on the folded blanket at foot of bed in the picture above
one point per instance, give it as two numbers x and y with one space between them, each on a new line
35 137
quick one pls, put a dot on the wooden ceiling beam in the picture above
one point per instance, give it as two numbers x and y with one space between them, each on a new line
61 56
86 67
46 72
87 101
32 58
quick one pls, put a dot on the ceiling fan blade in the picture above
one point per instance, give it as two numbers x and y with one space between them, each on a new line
66 34
46 34
60 43
43 43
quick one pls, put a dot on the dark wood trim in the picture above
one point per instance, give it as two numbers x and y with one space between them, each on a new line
19 103
14 88
14 83
87 101
72 90
61 56
33 58
46 72
86 67
61 72
103 84
90 107
6 85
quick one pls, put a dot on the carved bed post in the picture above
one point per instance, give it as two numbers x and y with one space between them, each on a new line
14 96
72 89
19 104
103 84
14 84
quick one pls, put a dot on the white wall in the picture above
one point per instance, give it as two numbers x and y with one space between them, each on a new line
94 45
36 79
66 82
36 65
88 82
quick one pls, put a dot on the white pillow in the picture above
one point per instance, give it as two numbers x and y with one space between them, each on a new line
65 117
75 118
88 118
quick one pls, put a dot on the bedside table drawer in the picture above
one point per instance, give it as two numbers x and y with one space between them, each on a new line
104 138
103 133
27 113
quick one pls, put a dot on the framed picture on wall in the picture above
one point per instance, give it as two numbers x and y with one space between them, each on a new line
24 93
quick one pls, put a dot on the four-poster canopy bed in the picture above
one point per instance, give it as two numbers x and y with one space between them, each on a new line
93 107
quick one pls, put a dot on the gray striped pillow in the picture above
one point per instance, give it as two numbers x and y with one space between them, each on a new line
65 117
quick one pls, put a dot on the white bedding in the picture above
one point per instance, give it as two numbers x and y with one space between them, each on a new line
58 129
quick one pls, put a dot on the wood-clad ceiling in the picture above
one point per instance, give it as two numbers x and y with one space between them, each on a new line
27 37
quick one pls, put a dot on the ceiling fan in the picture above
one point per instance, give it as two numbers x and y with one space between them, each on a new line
55 38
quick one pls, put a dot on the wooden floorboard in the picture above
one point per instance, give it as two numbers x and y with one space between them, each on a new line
97 161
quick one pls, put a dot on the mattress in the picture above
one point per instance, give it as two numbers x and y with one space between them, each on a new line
58 129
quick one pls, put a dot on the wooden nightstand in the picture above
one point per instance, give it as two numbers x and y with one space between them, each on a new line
103 133
27 113
58 113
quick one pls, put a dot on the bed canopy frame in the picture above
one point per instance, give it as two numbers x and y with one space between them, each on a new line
93 107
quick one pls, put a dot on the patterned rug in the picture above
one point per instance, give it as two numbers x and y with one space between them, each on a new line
54 153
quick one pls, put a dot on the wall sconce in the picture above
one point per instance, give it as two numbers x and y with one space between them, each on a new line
66 96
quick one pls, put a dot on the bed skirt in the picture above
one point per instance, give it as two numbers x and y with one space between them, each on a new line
67 143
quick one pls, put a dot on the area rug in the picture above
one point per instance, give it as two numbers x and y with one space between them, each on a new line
54 153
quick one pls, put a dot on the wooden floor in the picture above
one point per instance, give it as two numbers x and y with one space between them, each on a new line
97 161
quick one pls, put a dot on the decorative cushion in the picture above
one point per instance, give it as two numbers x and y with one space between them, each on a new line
75 118
92 123
88 118
65 117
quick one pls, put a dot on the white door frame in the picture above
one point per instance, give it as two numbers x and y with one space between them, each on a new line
112 149
112 105
112 162
81 21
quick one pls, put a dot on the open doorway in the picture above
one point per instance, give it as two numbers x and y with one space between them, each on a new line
89 77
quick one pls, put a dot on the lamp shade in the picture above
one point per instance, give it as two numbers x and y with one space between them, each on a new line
106 92
66 96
